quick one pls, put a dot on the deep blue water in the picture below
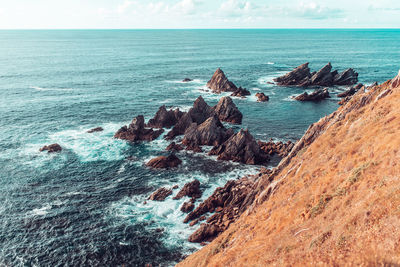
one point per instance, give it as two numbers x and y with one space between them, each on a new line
84 206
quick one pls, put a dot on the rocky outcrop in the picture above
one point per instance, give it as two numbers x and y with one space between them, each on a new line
227 111
317 95
261 97
136 131
165 118
191 189
174 147
241 92
395 82
51 148
210 133
163 162
301 76
186 80
160 194
241 147
220 83
97 129
351 91
227 202
188 206
197 114
281 149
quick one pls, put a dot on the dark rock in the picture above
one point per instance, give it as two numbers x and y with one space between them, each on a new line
261 97
137 132
241 147
174 147
323 77
97 129
227 111
300 76
51 148
165 118
160 194
191 189
241 92
279 148
187 207
219 83
163 162
347 77
317 95
194 148
228 202
175 186
187 80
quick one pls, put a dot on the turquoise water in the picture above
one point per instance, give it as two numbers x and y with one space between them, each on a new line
84 206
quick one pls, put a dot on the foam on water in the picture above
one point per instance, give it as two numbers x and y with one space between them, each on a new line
41 211
37 88
194 81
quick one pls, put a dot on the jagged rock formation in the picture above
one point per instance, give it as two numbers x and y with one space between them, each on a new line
332 201
191 189
241 147
220 83
279 148
210 133
261 97
174 147
351 91
317 95
163 162
227 111
241 92
97 129
51 148
188 206
160 194
301 76
227 202
165 118
136 131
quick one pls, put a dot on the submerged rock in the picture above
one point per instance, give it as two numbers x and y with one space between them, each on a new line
163 162
51 148
227 111
187 80
137 132
97 129
165 118
160 194
241 147
191 189
220 83
261 97
317 95
174 147
241 92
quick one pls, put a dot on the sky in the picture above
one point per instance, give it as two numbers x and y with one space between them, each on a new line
179 14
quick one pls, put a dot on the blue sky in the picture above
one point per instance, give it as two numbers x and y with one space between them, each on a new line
56 14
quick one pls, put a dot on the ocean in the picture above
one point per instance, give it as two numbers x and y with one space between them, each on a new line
85 205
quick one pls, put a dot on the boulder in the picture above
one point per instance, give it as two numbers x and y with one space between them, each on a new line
317 95
160 194
174 147
97 129
261 97
209 133
347 77
165 118
227 111
241 92
187 207
163 162
241 147
136 131
220 83
323 77
51 148
191 189
271 148
186 80
300 76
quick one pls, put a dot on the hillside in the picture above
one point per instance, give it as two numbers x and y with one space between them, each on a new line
334 200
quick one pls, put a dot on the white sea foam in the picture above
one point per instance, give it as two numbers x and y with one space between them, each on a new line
41 211
270 63
194 81
38 88
265 80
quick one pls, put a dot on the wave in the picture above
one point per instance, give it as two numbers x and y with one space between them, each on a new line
194 81
270 63
50 89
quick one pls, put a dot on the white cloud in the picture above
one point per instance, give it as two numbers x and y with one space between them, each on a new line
122 8
186 7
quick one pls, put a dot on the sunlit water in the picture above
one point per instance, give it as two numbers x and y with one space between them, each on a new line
85 206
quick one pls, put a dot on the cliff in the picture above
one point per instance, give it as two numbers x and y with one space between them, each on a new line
334 200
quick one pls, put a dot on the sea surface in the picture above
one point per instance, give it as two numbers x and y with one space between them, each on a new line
85 205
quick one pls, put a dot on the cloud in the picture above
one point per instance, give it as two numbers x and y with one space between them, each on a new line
187 7
122 8
233 8
314 11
